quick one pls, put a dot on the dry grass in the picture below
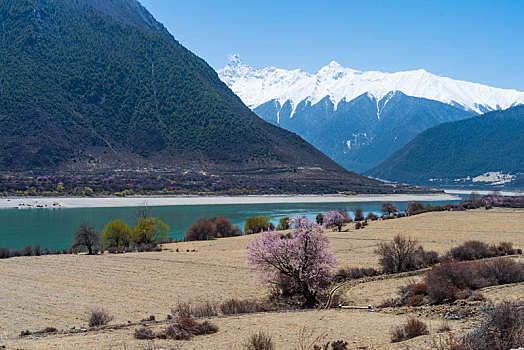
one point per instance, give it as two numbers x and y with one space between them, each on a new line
61 290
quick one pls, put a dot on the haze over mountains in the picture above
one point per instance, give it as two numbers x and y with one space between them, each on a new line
100 85
483 151
360 118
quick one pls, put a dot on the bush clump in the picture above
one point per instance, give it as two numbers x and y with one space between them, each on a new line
99 318
404 254
454 280
237 306
476 250
258 224
215 227
501 329
372 216
204 309
357 272
185 327
259 341
413 328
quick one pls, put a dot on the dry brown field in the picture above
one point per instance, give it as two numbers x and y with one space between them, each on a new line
60 291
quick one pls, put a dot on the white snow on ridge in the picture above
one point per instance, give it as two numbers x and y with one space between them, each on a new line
257 86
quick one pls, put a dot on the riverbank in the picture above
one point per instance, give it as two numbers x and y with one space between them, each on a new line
109 202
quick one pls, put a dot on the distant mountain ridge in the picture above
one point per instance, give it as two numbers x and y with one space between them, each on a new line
483 151
258 86
359 118
90 86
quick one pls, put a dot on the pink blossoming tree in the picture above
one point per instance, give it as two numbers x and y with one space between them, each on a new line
334 219
299 221
297 264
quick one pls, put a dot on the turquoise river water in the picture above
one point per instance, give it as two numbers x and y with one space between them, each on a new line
53 228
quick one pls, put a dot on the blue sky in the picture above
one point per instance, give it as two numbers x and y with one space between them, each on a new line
473 40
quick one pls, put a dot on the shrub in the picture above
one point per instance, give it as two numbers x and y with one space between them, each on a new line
319 219
185 328
202 230
204 309
347 218
357 272
144 334
115 250
359 214
358 225
25 333
372 216
454 280
5 253
472 250
27 251
87 237
224 227
501 329
37 251
257 224
259 341
116 234
398 255
99 318
413 328
49 330
299 264
236 306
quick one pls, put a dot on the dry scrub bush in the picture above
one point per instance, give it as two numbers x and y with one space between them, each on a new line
372 216
502 329
144 334
403 254
204 309
236 306
453 280
356 272
185 328
476 250
413 328
99 318
259 341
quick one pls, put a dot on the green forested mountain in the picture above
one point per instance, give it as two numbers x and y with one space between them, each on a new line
451 152
99 85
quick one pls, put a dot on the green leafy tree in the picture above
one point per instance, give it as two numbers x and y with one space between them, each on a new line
150 230
117 234
283 224
258 224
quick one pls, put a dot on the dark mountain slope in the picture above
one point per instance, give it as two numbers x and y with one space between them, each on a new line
99 85
493 142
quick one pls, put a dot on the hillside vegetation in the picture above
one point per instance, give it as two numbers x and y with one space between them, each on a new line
488 143
92 86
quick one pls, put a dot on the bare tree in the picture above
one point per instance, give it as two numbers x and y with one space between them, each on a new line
398 255
143 211
87 237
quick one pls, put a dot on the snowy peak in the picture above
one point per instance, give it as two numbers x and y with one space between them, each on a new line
258 86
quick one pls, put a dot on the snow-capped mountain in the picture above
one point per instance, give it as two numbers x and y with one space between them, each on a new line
257 86
360 118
